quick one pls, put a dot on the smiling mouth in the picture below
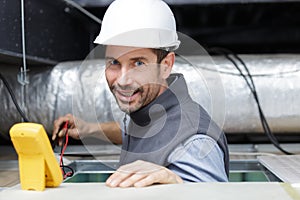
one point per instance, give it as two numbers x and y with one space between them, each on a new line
127 96
128 93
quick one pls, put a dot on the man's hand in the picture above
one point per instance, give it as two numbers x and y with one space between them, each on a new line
78 128
75 126
140 174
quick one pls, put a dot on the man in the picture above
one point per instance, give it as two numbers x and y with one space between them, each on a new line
169 138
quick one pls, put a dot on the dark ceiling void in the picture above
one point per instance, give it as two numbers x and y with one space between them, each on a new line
269 27
57 31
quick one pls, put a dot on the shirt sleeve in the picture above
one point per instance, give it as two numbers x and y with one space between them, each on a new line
199 159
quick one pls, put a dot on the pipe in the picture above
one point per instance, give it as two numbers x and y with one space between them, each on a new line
80 88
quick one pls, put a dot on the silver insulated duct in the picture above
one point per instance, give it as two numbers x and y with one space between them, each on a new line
80 88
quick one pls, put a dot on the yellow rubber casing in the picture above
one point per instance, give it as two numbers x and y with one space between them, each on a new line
38 166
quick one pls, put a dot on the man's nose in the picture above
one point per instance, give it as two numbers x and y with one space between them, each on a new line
125 77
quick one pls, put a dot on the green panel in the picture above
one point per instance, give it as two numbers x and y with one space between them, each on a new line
247 177
255 176
88 177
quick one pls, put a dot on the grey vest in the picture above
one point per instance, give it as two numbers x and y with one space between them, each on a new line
157 129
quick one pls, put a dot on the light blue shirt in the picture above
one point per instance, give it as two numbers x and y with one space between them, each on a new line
198 159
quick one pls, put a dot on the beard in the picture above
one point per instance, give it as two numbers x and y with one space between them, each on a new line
126 103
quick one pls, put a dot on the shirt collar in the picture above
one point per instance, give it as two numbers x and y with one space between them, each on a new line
172 96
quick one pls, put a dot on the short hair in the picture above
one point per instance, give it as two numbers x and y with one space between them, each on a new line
160 53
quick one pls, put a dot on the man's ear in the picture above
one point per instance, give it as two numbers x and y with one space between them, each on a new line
167 65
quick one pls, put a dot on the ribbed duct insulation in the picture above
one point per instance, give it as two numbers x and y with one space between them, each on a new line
80 88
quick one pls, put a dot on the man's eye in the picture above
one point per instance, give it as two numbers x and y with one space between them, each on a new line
114 62
139 63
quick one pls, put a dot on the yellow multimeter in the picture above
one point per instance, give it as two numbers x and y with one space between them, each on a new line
38 166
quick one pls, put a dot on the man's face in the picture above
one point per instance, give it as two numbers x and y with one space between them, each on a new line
133 76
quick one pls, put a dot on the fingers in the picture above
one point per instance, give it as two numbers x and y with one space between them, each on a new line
132 180
141 174
57 125
60 135
118 177
73 132
163 176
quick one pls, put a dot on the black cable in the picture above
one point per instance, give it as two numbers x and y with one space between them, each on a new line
68 167
13 97
251 86
212 50
262 116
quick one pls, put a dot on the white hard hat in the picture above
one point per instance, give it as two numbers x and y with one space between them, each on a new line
139 23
